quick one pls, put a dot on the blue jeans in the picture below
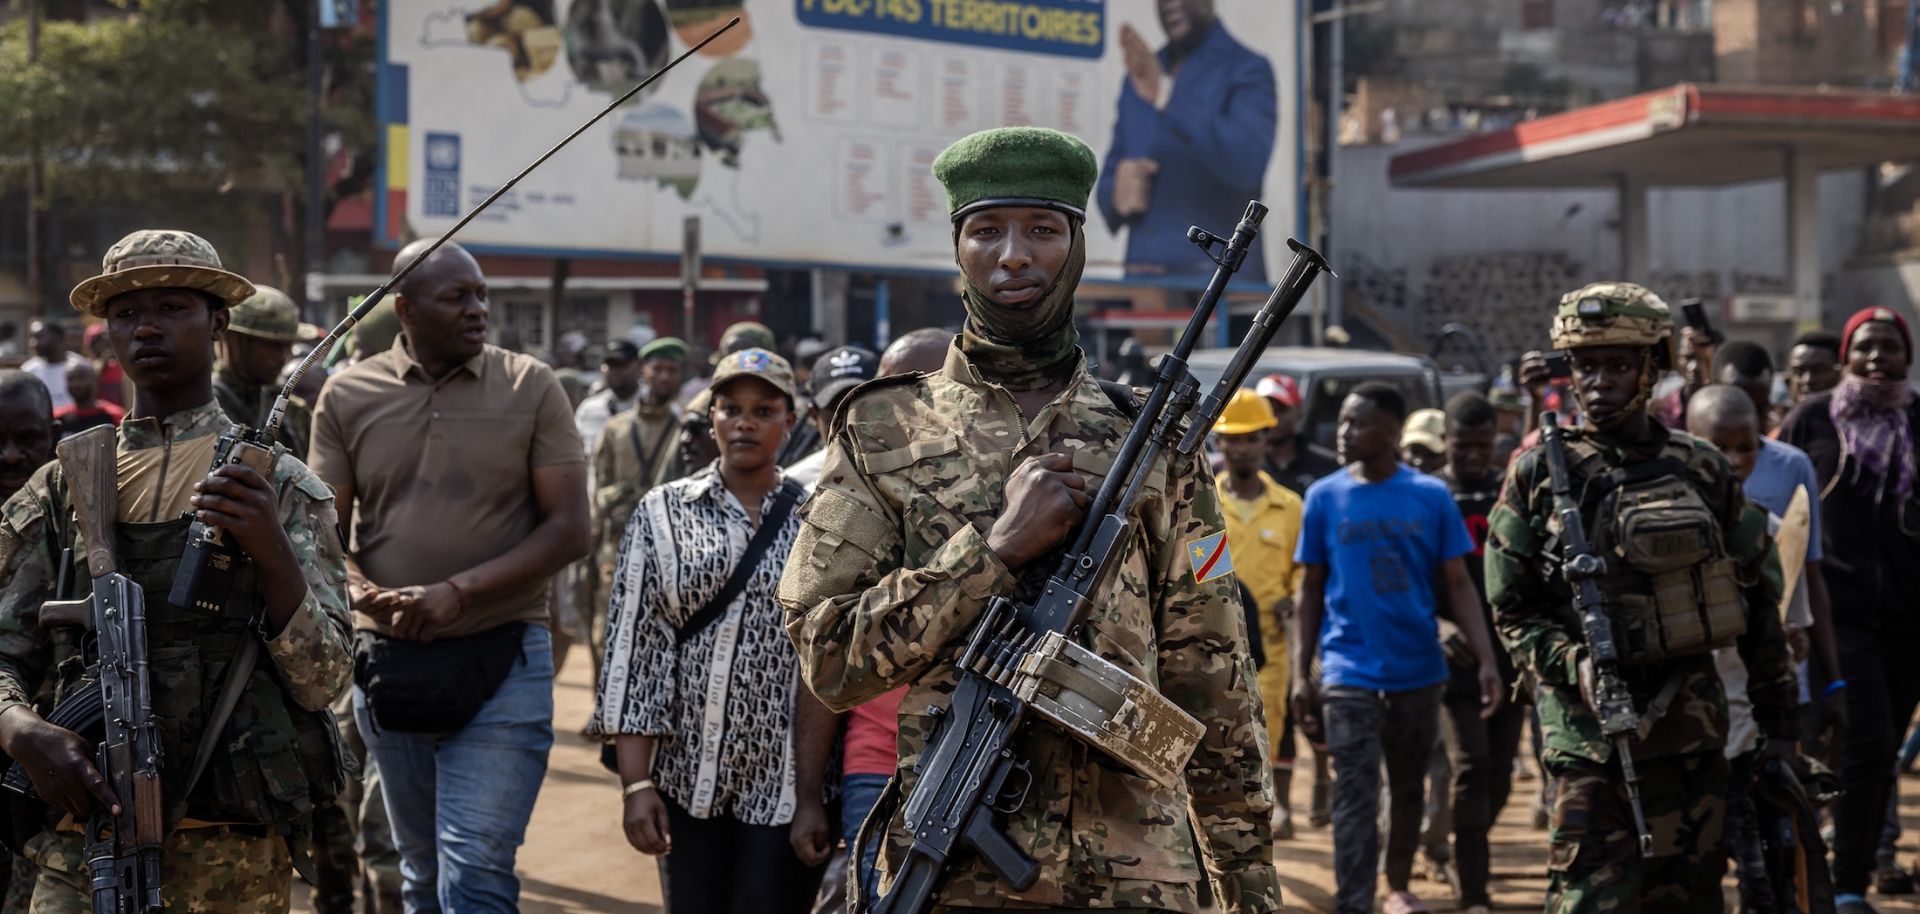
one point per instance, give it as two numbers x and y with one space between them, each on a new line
1363 728
459 802
858 793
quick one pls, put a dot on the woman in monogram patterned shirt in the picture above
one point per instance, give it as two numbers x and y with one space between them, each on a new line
719 750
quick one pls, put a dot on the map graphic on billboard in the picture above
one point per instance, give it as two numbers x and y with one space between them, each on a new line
806 136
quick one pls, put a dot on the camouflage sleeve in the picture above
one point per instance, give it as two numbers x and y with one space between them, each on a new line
603 478
1523 606
1206 667
27 558
1773 685
861 621
313 652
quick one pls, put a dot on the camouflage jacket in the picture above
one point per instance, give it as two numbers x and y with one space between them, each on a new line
312 654
1533 607
892 567
248 405
622 472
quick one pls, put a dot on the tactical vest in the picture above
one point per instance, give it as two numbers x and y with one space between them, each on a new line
1671 586
276 760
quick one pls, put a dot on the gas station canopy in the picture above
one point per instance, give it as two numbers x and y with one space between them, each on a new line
1686 135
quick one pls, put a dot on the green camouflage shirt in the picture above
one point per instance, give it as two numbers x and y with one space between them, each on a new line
1533 607
312 654
628 461
892 567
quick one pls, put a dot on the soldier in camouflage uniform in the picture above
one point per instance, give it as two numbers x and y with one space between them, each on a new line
1619 336
942 489
233 838
258 342
630 458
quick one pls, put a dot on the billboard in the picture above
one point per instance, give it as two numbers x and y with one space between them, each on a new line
806 135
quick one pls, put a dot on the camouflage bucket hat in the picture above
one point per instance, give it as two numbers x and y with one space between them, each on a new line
1612 314
744 335
159 259
268 314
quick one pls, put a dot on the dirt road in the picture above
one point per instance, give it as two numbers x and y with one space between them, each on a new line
576 859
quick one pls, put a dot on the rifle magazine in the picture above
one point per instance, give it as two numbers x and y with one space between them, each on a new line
1108 708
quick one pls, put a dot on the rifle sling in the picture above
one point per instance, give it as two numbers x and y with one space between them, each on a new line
230 691
649 459
1657 709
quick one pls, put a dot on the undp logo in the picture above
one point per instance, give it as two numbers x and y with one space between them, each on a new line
440 192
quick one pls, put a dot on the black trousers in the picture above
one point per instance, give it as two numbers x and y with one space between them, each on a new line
1883 686
724 866
1482 753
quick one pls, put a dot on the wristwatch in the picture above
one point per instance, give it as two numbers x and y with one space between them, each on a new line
636 787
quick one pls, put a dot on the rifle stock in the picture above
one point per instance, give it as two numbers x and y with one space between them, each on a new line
969 772
88 462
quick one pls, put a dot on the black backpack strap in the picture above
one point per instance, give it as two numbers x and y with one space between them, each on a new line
784 501
1122 397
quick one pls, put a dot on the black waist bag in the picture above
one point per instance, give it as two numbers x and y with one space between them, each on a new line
433 686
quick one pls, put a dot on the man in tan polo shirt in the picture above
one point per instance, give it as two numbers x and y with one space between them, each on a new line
462 483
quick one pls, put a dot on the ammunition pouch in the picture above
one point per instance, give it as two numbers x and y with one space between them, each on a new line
1675 593
1107 708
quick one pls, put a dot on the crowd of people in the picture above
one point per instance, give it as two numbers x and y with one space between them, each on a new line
772 560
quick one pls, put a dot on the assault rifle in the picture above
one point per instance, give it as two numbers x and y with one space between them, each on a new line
1583 568
122 849
1022 656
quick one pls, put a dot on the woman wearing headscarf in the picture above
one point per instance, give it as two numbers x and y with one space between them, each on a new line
1860 437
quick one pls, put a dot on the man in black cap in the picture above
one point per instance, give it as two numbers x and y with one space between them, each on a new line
835 374
620 372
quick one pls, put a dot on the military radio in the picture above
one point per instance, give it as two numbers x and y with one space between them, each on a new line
212 559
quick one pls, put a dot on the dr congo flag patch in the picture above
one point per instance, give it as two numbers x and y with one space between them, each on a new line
1210 557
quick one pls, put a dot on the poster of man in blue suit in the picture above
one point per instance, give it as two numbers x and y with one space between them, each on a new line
1195 131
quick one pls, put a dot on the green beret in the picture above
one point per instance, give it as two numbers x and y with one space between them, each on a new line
1017 166
666 347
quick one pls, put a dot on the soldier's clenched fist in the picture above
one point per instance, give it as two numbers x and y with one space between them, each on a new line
1045 501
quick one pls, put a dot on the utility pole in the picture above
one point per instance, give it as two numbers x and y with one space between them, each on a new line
36 279
316 227
689 275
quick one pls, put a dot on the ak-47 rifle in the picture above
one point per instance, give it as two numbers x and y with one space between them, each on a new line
1583 568
1022 656
122 849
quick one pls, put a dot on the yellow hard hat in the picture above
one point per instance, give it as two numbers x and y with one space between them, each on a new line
1245 414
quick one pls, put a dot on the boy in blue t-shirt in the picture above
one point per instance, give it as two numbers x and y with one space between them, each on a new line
1377 542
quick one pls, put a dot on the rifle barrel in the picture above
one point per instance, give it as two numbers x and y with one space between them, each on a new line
1286 296
1171 367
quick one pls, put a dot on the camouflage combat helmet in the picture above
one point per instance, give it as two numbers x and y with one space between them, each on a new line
268 314
159 259
1614 314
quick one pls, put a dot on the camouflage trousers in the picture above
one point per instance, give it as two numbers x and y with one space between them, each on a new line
206 871
1595 860
352 843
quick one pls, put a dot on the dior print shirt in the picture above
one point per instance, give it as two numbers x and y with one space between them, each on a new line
721 703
